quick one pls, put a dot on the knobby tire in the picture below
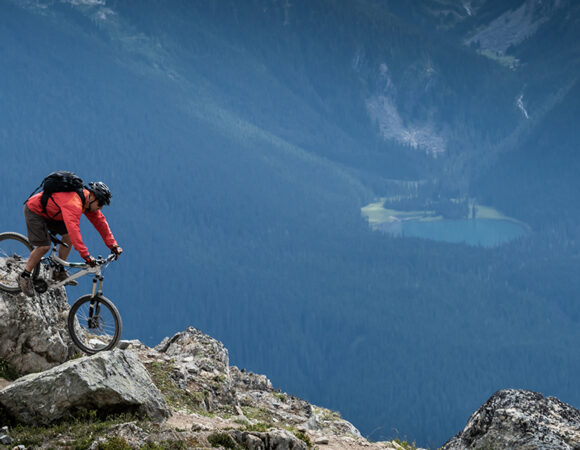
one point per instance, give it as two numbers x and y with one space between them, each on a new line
91 340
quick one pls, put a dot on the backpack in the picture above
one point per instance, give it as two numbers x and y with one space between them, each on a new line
60 181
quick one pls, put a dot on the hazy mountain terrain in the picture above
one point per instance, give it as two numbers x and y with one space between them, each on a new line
241 141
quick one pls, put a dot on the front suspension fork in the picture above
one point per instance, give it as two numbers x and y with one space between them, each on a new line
95 306
99 292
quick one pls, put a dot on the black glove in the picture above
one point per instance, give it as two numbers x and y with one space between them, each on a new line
91 261
116 250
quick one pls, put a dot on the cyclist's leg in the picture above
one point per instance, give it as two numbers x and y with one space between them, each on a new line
63 251
35 257
37 229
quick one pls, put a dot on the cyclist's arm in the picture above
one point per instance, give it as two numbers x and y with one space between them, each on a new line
72 210
99 221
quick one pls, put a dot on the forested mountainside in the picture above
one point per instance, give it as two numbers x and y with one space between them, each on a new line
241 141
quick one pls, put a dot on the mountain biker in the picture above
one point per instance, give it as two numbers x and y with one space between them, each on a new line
62 216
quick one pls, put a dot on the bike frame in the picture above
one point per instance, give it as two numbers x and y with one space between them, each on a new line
86 269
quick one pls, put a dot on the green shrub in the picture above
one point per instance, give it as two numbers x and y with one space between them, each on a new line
405 444
304 438
114 443
260 427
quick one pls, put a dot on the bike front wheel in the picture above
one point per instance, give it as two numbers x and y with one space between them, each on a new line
94 324
14 253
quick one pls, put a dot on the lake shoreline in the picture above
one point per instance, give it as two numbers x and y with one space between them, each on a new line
488 226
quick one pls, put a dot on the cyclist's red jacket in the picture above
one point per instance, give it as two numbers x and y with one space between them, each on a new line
67 207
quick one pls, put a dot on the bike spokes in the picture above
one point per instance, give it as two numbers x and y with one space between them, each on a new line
94 324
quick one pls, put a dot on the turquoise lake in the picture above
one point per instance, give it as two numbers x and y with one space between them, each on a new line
484 232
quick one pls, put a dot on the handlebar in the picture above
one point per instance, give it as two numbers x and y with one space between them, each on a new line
100 261
108 259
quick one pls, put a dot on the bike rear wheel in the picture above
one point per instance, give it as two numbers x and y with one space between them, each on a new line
94 324
14 253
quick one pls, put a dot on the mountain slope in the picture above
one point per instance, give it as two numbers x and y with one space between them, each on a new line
240 142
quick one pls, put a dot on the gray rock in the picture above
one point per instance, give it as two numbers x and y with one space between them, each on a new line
252 442
134 343
33 332
199 364
193 345
311 423
6 440
519 419
107 382
271 440
249 380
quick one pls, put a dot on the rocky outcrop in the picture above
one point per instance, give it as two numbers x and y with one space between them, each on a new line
518 419
198 366
107 382
187 380
209 403
209 354
33 333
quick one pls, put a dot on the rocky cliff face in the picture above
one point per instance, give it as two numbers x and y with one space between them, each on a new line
33 334
181 394
184 394
519 419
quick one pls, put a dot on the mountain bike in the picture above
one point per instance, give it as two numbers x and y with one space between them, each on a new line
94 324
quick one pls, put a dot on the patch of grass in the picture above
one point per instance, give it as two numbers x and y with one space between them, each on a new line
175 397
406 445
327 414
240 420
280 396
259 427
304 438
220 379
259 414
78 432
114 443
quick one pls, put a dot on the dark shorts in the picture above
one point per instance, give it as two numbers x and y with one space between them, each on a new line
38 228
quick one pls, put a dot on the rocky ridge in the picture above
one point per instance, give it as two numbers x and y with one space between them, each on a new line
520 419
181 394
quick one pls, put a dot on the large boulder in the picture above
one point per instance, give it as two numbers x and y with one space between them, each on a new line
33 331
519 419
108 382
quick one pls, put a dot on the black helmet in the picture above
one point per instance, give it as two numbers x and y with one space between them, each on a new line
101 192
